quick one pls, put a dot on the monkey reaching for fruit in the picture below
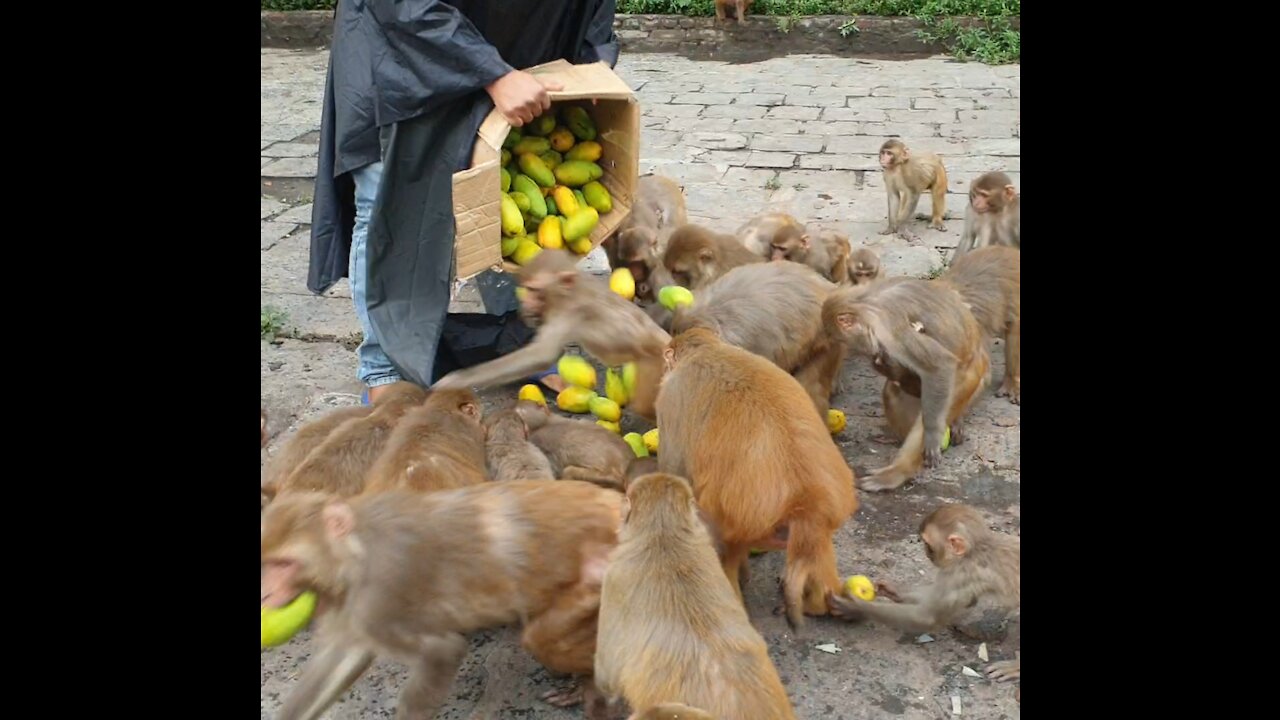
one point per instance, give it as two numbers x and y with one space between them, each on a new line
728 421
993 216
672 628
509 454
641 240
920 336
697 256
864 266
437 446
990 281
973 563
906 175
577 449
565 305
407 575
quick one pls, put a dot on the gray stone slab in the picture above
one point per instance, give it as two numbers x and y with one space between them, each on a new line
771 159
273 232
271 206
286 149
300 214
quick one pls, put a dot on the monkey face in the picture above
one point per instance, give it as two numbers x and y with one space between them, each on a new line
981 201
886 159
280 584
780 252
532 302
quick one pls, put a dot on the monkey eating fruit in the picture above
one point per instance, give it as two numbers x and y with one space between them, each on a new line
279 625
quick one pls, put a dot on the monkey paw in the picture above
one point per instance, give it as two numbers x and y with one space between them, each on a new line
938 226
887 231
878 481
957 433
1011 391
888 591
845 608
564 697
932 456
1005 670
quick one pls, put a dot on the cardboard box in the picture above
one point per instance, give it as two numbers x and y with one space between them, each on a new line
477 191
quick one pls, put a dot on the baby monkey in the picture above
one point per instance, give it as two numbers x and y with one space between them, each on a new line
906 175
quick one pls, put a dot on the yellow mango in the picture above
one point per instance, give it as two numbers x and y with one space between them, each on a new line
574 173
565 201
614 388
835 421
551 159
586 150
506 179
605 409
561 139
280 624
629 379
595 170
651 441
522 201
582 246
509 245
537 206
531 146
637 444
597 197
575 370
532 393
534 168
525 252
577 195
581 224
549 235
611 426
575 399
512 220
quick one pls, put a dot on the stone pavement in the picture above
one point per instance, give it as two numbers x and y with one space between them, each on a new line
797 134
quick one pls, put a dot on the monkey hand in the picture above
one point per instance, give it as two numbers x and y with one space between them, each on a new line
1005 670
932 454
846 608
884 589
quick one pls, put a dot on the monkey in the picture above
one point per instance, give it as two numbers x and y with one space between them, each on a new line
577 449
508 452
973 562
990 281
437 446
641 240
775 311
566 305
762 232
672 711
737 8
671 625
696 256
992 217
921 338
729 423
829 256
340 459
407 575
647 465
864 266
906 175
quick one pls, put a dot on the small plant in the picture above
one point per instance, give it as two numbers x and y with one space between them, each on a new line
273 320
772 183
849 27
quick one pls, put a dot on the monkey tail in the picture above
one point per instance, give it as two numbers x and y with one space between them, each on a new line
811 568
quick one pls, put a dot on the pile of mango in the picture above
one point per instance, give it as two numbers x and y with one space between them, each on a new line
551 191
581 397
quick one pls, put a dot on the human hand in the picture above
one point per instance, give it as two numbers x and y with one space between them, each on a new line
521 97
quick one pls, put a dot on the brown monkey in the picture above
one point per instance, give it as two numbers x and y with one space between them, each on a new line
762 232
775 311
864 266
990 281
920 336
304 440
993 217
737 8
577 449
340 459
566 305
407 575
728 421
438 446
508 452
829 256
671 626
696 256
906 175
672 711
648 465
641 240
973 563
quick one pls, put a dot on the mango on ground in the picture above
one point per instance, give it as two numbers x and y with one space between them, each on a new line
629 379
651 441
575 370
605 409
612 426
614 387
532 393
575 399
636 441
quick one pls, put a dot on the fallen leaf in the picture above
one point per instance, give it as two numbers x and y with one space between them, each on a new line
966 670
955 704
926 638
982 653
828 648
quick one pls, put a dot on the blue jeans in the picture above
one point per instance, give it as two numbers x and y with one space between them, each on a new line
374 367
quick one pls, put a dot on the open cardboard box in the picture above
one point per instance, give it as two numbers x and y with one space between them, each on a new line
477 191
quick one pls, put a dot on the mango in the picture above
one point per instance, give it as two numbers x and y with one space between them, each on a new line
651 441
582 246
549 235
531 228
543 124
629 379
575 370
506 179
611 426
534 168
532 393
674 296
512 138
597 197
860 586
506 158
614 388
575 399
605 409
531 146
586 150
573 173
552 208
512 221
561 139
596 171
835 421
579 123
565 200
637 444
522 201
622 282
537 206
509 245
582 200
525 252
551 159
581 224
280 624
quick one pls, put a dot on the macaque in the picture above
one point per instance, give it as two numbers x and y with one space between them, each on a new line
648 465
696 256
762 232
334 453
864 266
407 575
577 449
931 350
992 217
990 281
437 446
828 256
973 561
736 8
729 422
641 240
671 626
566 305
906 175
509 454
775 311
672 711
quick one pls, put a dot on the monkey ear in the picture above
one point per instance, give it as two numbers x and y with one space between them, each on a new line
959 546
846 321
706 255
567 278
905 154
1010 192
625 508
470 410
339 520
804 241
669 355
